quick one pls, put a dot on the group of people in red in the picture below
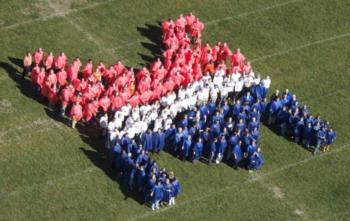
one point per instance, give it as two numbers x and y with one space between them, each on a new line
88 89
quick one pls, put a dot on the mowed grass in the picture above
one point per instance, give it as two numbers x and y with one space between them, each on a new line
51 172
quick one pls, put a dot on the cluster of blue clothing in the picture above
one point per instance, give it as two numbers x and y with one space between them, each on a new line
294 120
140 172
221 131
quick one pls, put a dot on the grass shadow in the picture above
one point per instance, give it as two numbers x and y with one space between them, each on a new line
88 133
154 34
24 85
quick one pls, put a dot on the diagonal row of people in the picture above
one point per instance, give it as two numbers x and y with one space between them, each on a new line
294 120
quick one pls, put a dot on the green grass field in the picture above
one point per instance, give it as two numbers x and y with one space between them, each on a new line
49 171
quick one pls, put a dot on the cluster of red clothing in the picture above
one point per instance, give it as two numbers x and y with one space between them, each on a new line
90 89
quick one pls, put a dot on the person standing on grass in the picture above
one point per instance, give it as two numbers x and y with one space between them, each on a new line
157 195
186 148
330 137
176 188
237 154
38 56
221 147
49 61
76 113
178 141
147 140
213 147
307 132
197 150
255 161
320 140
27 64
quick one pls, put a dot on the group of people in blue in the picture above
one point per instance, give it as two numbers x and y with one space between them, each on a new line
294 120
226 129
220 130
141 173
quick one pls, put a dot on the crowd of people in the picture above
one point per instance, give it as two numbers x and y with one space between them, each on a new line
84 91
196 100
295 121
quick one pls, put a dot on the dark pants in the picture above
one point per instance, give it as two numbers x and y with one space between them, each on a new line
25 71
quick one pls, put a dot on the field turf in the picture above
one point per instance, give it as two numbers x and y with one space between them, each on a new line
49 171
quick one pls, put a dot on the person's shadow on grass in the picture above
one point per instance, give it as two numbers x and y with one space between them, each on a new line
154 34
89 134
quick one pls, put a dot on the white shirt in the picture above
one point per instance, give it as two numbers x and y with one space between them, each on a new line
206 91
167 123
145 109
104 121
193 100
129 122
266 82
225 90
206 78
157 125
235 77
256 80
248 81
182 93
239 86
214 92
218 80
112 126
113 135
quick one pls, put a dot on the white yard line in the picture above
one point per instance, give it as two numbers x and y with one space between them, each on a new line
251 180
278 194
54 15
257 59
50 182
80 28
36 126
332 38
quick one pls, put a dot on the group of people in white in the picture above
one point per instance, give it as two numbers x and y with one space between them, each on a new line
135 121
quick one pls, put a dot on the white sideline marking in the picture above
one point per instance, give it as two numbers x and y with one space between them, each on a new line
302 46
88 35
279 195
48 183
51 182
38 125
5 196
58 14
252 12
5 106
252 180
